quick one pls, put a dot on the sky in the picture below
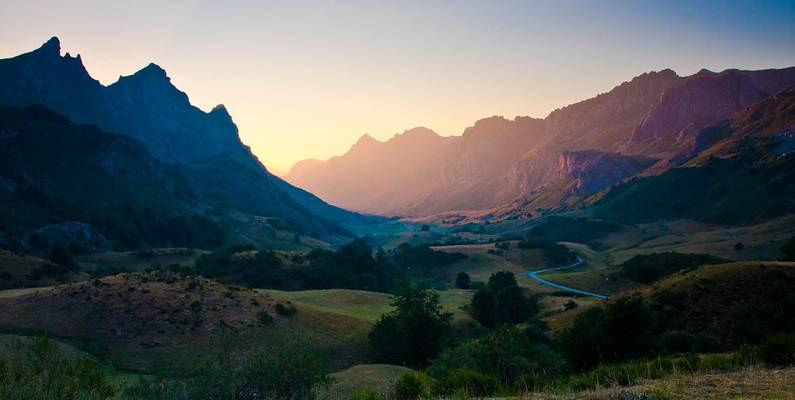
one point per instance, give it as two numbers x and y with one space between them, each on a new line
305 79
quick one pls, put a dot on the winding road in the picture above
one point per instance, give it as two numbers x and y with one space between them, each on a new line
534 275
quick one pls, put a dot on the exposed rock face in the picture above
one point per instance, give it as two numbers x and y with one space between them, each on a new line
703 100
592 170
72 234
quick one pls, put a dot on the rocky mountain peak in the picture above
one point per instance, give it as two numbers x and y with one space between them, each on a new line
51 47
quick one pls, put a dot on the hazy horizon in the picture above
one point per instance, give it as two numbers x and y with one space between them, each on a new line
306 81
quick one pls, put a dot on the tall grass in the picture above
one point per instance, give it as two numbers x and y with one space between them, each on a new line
637 371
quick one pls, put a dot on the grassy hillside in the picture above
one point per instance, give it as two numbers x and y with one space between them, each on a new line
378 377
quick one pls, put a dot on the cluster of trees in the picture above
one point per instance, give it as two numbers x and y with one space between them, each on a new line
353 266
502 301
555 252
648 268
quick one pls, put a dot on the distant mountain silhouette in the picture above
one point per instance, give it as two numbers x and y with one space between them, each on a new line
640 127
147 107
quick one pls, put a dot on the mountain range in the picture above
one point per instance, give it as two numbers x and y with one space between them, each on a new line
519 167
167 134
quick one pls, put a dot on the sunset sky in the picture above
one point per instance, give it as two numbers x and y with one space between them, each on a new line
306 79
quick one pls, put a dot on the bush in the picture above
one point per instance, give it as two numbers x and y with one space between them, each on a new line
365 394
285 311
463 281
413 386
61 255
473 383
37 369
648 268
237 366
264 317
779 349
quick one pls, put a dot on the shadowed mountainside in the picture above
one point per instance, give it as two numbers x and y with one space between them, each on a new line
148 108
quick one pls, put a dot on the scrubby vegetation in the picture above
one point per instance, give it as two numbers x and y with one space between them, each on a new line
235 366
648 268
353 266
556 253
37 369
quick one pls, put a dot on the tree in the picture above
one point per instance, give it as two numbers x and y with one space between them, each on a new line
788 250
462 280
619 331
503 301
484 308
419 318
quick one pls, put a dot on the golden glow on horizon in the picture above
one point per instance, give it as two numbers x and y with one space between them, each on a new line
306 80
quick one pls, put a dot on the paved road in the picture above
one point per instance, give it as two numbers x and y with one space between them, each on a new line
534 275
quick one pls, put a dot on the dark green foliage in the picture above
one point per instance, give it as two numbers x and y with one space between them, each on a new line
503 301
419 318
743 306
412 386
556 253
788 250
423 258
648 268
425 228
506 354
473 383
565 229
484 307
285 311
38 369
722 191
620 330
462 280
739 246
264 317
60 254
779 349
234 365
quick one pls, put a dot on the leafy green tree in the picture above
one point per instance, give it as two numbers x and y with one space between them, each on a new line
503 301
419 317
484 308
619 331
462 280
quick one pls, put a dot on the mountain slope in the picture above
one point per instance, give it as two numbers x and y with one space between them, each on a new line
513 167
744 173
148 108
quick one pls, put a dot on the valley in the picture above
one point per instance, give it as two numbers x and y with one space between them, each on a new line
636 244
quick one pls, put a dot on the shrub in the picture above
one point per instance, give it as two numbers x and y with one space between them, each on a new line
39 370
365 394
264 317
285 311
648 268
474 383
779 349
60 254
413 386
463 281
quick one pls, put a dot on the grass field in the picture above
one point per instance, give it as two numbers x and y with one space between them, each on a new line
378 377
363 305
